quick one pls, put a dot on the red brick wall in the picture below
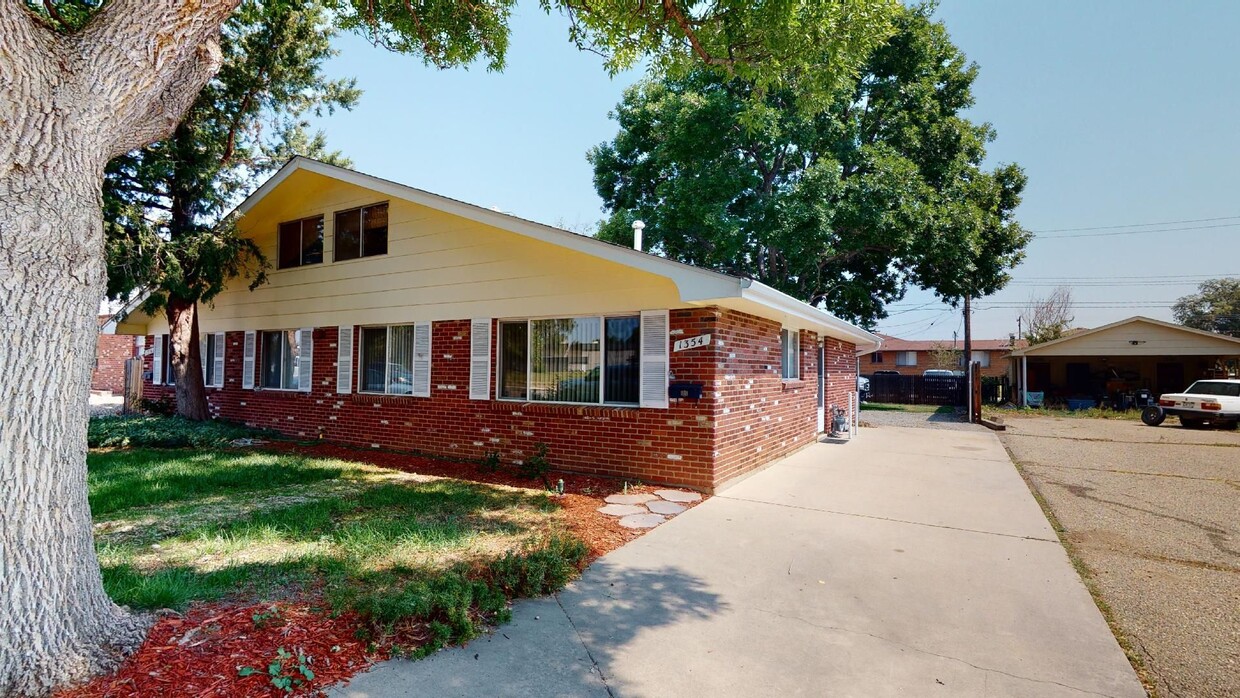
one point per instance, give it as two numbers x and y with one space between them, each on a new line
761 416
110 356
925 360
698 443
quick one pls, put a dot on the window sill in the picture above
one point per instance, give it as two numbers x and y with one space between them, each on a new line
554 408
790 383
281 391
383 399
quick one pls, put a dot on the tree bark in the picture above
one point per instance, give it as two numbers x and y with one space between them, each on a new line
56 623
68 103
186 359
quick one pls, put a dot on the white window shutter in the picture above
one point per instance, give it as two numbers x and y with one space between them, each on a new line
344 359
219 359
305 359
480 359
202 356
247 360
422 359
157 360
654 353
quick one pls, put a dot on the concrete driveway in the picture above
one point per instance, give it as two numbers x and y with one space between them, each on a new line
907 562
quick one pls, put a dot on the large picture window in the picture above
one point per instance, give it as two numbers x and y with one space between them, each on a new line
300 242
906 358
790 354
281 358
361 232
387 360
585 360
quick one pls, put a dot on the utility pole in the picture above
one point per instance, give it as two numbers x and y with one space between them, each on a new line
968 353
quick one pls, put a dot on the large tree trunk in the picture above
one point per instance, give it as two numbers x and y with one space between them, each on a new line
186 359
68 103
56 623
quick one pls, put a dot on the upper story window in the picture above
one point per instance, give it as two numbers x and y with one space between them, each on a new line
982 357
876 357
790 352
300 242
906 358
590 360
281 358
361 232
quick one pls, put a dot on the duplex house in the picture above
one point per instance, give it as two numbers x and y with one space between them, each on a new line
396 318
913 357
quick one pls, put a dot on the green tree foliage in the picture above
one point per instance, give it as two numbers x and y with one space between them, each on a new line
842 206
1215 307
164 205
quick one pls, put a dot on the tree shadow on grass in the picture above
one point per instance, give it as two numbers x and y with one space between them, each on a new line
416 529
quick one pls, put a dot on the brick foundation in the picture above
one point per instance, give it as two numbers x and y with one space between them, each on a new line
747 415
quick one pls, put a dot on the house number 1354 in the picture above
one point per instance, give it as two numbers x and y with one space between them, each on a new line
691 343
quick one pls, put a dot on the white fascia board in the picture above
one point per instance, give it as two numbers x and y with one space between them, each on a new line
693 284
830 325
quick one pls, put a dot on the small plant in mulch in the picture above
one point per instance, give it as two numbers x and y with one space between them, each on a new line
490 462
536 466
284 674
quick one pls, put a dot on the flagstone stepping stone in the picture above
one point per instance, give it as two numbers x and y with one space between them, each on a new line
642 521
630 498
676 496
623 509
665 508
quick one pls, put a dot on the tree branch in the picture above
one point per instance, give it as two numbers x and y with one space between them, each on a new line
147 62
673 12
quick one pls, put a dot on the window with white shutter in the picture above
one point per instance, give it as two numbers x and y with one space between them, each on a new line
218 360
654 358
344 359
480 359
305 359
157 360
422 359
204 360
247 360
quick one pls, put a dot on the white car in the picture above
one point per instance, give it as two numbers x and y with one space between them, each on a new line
1214 401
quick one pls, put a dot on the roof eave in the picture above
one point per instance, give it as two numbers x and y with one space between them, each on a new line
758 292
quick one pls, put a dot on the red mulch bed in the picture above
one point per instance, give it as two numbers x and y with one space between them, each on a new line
202 652
223 637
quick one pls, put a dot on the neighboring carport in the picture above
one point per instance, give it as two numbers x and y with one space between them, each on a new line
1113 362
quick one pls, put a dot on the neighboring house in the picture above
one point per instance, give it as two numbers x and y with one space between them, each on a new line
110 355
913 357
1128 355
401 319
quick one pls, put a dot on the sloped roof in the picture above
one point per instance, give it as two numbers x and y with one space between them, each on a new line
1209 342
896 344
695 285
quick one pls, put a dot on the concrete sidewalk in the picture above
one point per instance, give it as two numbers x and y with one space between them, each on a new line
909 562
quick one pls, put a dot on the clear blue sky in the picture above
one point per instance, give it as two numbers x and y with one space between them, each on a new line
1120 112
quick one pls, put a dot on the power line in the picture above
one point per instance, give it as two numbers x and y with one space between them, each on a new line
1135 232
1129 276
1136 225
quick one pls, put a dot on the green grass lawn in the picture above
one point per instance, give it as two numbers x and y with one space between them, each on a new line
177 526
925 409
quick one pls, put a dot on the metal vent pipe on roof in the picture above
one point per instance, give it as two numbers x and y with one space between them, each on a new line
638 226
